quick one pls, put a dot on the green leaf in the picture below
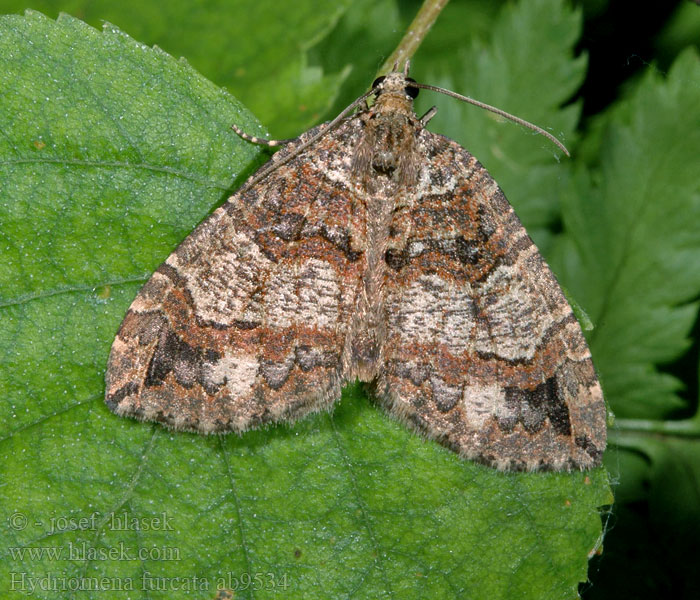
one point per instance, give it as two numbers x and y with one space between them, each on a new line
111 152
631 255
254 48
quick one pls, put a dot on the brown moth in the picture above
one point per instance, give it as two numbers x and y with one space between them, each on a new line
368 248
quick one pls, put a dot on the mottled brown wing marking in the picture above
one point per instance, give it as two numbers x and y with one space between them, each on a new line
379 252
247 321
483 352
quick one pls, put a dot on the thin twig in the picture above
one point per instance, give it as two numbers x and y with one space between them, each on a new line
414 35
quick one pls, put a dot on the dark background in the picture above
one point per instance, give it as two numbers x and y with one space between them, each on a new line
650 550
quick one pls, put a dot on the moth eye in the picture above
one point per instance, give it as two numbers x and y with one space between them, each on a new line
411 90
377 81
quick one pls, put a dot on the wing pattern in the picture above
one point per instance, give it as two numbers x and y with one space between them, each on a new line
378 251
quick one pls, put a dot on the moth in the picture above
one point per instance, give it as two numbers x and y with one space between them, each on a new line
367 249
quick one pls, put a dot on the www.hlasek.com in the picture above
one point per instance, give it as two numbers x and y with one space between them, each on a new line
29 584
86 552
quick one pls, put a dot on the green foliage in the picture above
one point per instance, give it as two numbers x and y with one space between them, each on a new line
632 249
253 48
631 256
112 151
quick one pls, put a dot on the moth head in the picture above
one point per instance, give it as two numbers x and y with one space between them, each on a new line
395 83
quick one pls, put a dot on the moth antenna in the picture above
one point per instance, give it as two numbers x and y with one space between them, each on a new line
497 111
274 165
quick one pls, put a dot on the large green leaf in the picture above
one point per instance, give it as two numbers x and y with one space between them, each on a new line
111 152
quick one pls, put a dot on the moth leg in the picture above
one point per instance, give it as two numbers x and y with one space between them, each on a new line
428 115
257 140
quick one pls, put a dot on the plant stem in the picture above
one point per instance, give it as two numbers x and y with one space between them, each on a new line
682 427
414 35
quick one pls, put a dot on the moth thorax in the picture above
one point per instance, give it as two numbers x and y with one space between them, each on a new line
393 103
393 138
